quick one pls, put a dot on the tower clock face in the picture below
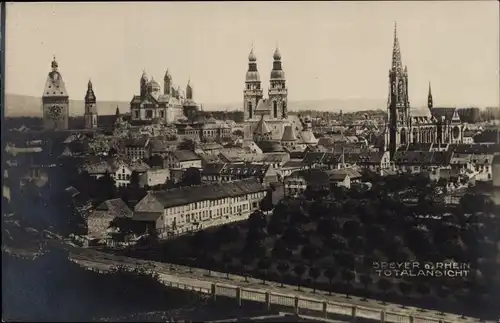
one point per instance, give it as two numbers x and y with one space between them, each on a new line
54 112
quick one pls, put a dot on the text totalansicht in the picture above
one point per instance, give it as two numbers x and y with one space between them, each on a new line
416 269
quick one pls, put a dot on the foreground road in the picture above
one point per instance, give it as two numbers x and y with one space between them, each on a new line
200 279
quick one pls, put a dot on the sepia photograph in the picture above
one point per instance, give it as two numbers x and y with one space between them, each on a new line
233 161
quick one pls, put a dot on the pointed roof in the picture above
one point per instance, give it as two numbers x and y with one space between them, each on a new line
397 63
262 107
90 96
54 86
430 92
288 134
277 54
251 56
167 75
262 128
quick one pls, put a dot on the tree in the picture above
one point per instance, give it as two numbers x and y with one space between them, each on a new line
266 204
310 252
443 293
283 268
423 289
280 250
134 180
404 288
227 261
107 187
366 280
299 271
314 273
264 264
247 262
384 285
351 228
347 276
191 176
330 272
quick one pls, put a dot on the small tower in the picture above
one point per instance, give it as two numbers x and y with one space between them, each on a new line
167 83
189 91
90 115
278 93
253 90
429 98
55 101
144 84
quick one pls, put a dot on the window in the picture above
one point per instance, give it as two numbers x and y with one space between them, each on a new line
275 109
250 110
136 113
162 114
149 113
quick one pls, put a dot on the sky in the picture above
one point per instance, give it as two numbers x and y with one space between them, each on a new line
330 50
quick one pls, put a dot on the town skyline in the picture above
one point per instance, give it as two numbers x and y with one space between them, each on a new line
348 58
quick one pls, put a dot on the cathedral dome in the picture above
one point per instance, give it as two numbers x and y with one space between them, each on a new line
153 85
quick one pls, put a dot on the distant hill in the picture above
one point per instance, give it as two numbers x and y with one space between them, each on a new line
23 105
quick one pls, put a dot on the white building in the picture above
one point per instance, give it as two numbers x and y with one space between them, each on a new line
197 207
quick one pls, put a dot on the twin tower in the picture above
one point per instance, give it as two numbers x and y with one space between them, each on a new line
253 94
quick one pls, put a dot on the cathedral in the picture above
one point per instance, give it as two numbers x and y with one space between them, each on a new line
266 119
404 125
151 105
55 101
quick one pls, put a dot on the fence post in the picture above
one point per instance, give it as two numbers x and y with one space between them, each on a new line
238 295
214 292
325 309
382 316
353 313
296 305
412 318
268 300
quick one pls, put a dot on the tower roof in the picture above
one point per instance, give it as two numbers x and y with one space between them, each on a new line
262 128
167 75
397 64
54 86
289 134
90 96
277 54
430 92
251 56
262 107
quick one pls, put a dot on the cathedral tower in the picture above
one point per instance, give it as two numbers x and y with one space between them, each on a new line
398 127
167 83
90 115
253 90
55 101
278 93
189 91
429 98
144 84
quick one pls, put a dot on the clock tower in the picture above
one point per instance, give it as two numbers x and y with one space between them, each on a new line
90 115
55 101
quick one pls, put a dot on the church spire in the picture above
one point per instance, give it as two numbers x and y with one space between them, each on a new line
429 98
397 63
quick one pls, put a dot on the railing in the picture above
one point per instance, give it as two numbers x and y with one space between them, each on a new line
317 308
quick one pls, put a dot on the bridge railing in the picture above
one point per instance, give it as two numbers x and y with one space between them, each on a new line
324 309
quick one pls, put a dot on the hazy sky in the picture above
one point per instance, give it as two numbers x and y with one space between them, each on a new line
329 49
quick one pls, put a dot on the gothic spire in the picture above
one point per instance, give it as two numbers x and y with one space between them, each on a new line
429 98
397 64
